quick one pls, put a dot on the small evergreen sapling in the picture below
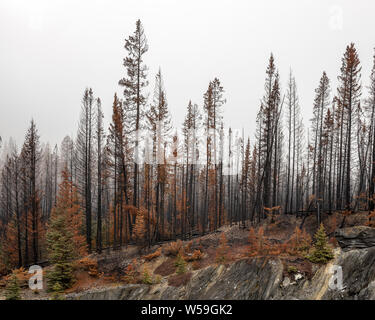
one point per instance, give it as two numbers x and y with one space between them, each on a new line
12 291
64 242
180 264
222 251
147 279
322 253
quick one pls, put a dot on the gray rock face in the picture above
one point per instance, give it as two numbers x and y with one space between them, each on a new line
250 279
355 237
126 292
358 268
246 279
264 278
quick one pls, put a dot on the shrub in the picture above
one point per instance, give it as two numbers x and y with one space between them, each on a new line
262 242
300 242
12 291
222 251
157 279
189 246
259 244
22 276
173 248
89 265
292 269
153 255
146 277
180 264
252 239
57 291
321 253
196 255
130 272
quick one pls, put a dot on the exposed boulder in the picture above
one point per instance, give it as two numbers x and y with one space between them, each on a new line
359 237
358 275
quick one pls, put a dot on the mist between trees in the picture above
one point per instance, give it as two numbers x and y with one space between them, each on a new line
153 148
143 181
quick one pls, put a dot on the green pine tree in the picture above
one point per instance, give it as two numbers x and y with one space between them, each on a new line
12 291
60 247
63 238
57 292
321 253
60 252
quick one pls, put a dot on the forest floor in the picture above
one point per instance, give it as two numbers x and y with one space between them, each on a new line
158 264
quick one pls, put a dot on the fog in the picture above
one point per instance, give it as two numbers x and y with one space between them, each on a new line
50 51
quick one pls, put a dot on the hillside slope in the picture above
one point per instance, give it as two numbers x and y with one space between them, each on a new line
258 278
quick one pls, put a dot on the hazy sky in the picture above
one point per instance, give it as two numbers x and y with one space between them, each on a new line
51 50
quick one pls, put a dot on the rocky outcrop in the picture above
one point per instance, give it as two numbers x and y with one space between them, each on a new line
126 292
246 279
358 268
266 278
355 237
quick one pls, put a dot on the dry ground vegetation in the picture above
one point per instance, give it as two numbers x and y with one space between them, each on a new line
175 262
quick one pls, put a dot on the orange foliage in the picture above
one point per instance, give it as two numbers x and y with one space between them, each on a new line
196 255
153 255
89 265
173 248
139 231
68 202
22 276
258 244
131 275
253 248
222 251
299 242
273 211
9 254
188 246
9 240
371 219
332 223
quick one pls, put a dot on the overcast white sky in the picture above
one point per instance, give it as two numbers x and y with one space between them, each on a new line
51 50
